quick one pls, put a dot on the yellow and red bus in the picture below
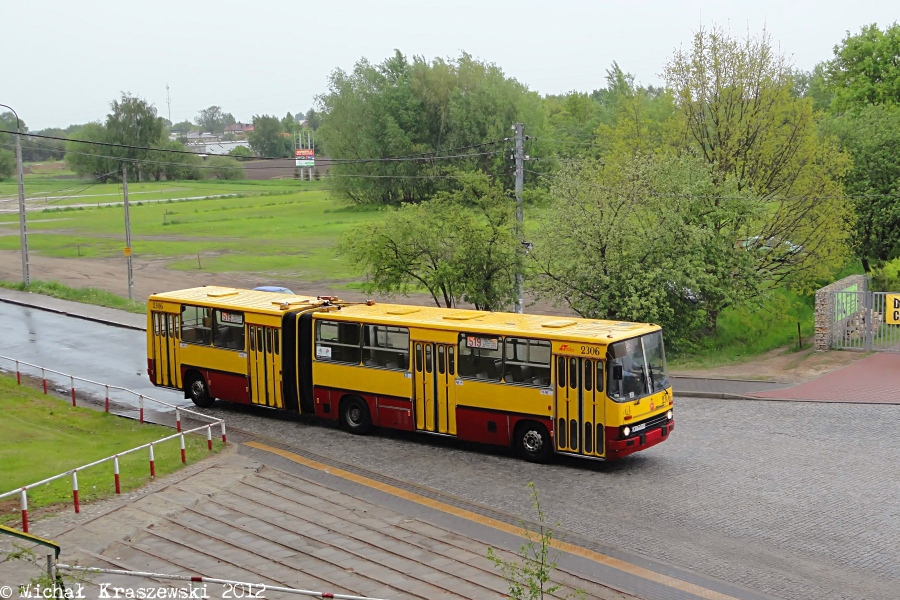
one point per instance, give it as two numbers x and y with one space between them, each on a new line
543 384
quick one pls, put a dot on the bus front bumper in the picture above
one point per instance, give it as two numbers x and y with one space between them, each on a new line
616 448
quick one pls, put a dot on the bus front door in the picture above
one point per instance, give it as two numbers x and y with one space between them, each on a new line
165 350
264 365
579 410
435 373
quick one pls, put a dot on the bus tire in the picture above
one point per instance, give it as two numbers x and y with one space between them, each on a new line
195 389
533 442
355 415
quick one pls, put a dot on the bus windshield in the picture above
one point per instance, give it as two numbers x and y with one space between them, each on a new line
637 367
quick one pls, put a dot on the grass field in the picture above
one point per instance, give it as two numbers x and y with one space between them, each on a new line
84 295
44 436
285 228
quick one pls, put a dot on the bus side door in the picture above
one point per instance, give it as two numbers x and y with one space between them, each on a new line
435 387
579 406
165 349
264 365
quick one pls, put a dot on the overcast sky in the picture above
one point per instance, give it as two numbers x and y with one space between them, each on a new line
64 61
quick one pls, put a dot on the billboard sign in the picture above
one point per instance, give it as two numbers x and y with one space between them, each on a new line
305 157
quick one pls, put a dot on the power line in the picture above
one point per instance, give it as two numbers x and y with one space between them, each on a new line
260 168
285 167
420 156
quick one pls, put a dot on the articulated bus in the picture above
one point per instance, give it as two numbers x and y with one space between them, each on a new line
545 385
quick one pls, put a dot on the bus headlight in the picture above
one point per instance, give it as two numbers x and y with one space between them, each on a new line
626 431
669 415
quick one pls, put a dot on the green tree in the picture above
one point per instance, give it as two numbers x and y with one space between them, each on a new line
133 121
871 135
87 159
632 241
739 113
224 167
402 107
266 139
865 68
288 125
172 166
313 119
183 127
459 246
211 119
228 119
7 164
241 153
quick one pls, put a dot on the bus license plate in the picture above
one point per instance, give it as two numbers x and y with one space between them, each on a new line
639 427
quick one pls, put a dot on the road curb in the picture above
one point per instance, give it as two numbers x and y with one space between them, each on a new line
716 396
75 315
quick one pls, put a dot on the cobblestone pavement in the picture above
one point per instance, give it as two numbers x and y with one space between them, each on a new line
795 500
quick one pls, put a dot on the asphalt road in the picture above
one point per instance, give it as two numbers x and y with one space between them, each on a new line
106 354
795 500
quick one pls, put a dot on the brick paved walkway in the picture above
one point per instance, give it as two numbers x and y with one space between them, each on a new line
872 380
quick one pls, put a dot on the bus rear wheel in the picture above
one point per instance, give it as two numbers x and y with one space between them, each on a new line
196 390
355 415
533 442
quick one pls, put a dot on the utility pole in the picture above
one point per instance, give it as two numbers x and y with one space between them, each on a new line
520 229
23 229
127 232
169 102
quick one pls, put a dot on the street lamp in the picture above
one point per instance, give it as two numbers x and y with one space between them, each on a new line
23 230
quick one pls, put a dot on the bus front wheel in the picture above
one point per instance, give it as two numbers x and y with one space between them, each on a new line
533 442
196 390
355 414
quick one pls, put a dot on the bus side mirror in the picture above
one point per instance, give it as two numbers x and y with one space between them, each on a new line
617 372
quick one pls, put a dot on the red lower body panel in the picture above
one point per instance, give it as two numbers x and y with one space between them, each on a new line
616 448
230 387
386 411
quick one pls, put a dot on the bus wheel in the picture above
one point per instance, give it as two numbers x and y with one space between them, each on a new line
533 442
355 414
196 390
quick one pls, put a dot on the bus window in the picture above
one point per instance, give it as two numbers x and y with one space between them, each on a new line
252 338
561 372
588 376
338 341
527 362
573 372
440 360
451 351
260 345
386 347
195 324
275 336
428 358
419 358
599 376
268 340
229 329
480 357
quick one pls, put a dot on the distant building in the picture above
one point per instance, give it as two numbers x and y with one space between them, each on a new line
218 148
239 128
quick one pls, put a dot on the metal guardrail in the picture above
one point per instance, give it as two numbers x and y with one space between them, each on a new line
142 398
23 491
255 590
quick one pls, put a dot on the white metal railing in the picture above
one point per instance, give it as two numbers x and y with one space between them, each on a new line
253 589
23 491
142 398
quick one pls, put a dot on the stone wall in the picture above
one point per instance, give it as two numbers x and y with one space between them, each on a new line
825 309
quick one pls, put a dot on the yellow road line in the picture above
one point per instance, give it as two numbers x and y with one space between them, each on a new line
603 559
